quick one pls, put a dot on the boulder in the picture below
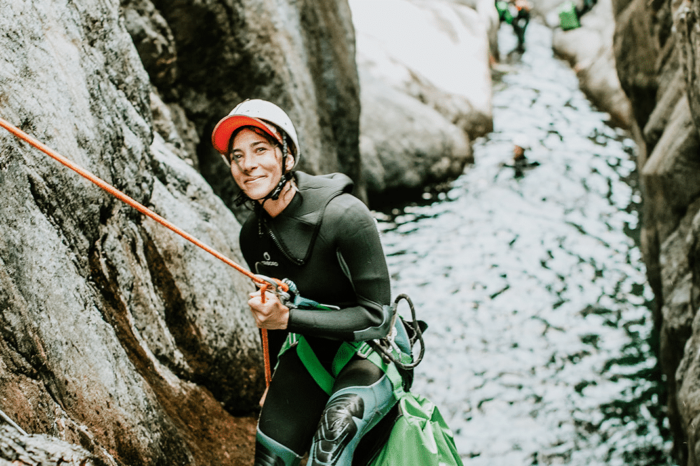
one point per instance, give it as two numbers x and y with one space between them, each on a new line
415 102
425 148
115 335
589 50
458 87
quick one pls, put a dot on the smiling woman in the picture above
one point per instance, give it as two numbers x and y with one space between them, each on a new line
328 390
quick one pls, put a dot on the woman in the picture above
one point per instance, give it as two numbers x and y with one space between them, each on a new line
328 389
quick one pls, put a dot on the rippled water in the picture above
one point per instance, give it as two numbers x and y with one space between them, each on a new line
535 292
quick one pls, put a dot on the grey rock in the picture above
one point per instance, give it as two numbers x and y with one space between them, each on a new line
656 50
415 103
405 143
40 450
458 88
589 50
115 335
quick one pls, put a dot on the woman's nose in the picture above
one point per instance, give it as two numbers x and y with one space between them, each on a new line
246 163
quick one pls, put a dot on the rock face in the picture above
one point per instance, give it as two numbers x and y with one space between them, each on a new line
115 334
657 48
423 94
589 49
40 450
206 57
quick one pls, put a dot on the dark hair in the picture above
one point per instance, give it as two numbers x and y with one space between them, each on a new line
271 140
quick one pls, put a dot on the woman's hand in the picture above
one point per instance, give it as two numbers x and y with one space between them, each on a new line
272 314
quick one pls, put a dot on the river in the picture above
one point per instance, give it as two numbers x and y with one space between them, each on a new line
539 349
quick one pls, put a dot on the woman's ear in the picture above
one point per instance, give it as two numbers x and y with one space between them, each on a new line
289 163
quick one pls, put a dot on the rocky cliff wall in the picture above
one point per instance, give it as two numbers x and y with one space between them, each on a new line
115 334
589 50
657 48
204 57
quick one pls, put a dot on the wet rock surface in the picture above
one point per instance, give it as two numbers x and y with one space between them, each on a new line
589 49
17 449
657 50
115 335
539 349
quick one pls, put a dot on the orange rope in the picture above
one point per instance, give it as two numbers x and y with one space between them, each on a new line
265 343
149 213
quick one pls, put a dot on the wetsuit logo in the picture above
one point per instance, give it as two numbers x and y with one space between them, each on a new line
268 260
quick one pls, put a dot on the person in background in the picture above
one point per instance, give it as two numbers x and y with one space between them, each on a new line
521 144
520 22
517 14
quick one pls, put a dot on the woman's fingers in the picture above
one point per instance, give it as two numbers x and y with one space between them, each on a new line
271 314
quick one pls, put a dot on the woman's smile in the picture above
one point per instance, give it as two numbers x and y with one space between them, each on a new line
256 164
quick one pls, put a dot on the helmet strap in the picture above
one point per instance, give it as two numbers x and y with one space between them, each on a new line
286 176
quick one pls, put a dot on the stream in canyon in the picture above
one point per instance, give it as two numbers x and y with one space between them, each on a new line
540 346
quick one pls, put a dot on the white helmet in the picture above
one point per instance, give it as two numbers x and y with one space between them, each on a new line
258 113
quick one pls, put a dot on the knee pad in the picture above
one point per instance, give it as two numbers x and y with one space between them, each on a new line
349 414
268 452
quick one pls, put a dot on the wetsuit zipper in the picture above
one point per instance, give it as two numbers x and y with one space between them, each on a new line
279 245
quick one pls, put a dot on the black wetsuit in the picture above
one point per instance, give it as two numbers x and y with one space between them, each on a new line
520 23
325 241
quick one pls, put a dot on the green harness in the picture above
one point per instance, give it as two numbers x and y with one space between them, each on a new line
345 353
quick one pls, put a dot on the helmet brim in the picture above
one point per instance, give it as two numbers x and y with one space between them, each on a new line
221 136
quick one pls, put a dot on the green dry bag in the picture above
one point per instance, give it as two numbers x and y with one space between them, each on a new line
568 18
420 437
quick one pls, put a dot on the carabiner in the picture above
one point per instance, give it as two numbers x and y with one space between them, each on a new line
278 287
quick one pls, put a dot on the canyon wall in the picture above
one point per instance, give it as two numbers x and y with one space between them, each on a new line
657 50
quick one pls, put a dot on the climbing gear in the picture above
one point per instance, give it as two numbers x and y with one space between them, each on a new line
393 354
264 284
397 347
568 17
258 113
293 300
420 437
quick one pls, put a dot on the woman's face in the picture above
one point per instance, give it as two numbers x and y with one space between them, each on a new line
256 165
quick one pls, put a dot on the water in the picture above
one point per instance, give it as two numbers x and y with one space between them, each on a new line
539 347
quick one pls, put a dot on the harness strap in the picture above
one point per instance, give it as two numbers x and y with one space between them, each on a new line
346 352
314 366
